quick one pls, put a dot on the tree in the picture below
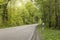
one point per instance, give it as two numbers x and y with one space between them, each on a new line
50 12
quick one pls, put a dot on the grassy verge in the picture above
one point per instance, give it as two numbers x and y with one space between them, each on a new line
50 34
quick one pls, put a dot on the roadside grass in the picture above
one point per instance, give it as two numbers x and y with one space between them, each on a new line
49 34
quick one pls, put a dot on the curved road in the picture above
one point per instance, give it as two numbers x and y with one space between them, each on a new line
26 32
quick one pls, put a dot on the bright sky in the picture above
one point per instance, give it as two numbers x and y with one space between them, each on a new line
18 3
25 1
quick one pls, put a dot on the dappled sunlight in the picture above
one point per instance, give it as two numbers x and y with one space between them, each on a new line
18 3
45 13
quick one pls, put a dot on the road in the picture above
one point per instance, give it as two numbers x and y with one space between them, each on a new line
26 32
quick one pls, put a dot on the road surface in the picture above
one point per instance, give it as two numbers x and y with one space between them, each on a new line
26 32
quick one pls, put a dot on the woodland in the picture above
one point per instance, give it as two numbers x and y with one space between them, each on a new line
21 12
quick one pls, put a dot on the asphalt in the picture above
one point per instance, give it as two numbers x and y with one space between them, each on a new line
26 32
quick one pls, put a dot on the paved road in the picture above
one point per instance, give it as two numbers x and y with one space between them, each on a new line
25 32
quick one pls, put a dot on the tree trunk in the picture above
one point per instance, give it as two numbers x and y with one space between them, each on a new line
5 13
49 14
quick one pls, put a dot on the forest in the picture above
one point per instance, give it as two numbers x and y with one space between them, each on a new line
21 12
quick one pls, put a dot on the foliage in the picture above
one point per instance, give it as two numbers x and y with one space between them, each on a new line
19 13
50 34
50 12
